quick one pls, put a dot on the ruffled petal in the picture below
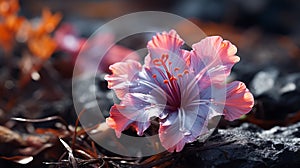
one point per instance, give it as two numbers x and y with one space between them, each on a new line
121 117
136 110
212 58
164 43
239 101
166 47
173 135
122 75
117 121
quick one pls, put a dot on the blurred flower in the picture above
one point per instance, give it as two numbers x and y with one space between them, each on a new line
8 30
14 28
175 86
47 23
42 47
39 41
9 23
9 7
69 41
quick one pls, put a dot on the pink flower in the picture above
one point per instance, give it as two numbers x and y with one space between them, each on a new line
176 86
69 41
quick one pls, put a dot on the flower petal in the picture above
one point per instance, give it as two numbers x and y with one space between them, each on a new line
117 121
213 58
122 75
171 134
166 44
136 109
215 95
239 101
120 120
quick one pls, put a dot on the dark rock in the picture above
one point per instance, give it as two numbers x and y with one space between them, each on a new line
277 94
250 147
264 81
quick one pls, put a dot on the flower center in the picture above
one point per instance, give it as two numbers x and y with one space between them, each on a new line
172 81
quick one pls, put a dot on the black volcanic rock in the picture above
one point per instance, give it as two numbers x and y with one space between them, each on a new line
249 146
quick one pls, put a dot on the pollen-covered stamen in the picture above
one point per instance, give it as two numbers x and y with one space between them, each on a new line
182 76
173 78
162 62
164 57
157 62
170 81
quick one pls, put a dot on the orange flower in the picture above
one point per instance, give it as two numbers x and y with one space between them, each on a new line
9 7
39 42
6 37
48 22
14 27
42 47
8 30
14 23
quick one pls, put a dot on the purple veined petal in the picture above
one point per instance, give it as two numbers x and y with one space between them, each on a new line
161 85
182 127
119 122
144 99
238 101
141 107
147 105
213 58
169 135
215 98
122 75
136 109
150 86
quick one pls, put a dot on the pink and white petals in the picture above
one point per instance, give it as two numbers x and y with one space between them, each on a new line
214 48
136 110
168 41
163 46
212 59
182 89
117 120
239 101
122 75
178 129
123 116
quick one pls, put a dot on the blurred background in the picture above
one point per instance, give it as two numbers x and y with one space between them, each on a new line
266 32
